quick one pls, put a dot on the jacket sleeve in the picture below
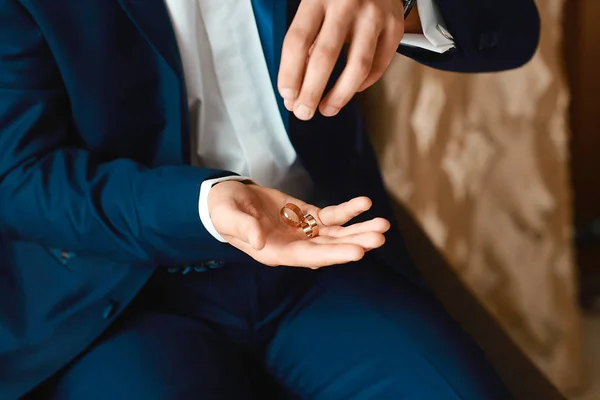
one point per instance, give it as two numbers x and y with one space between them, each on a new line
490 35
63 196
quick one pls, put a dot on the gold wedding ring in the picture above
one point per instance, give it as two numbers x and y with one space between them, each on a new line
286 214
293 216
310 227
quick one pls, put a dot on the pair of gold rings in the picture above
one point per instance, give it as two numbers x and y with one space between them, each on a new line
293 216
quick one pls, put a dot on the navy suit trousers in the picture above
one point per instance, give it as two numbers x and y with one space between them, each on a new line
246 331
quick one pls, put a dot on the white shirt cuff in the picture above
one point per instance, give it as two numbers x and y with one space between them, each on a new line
203 203
435 36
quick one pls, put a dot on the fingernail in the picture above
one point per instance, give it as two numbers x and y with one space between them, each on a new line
303 112
330 111
288 94
289 104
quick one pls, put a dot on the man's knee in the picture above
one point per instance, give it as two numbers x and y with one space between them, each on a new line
154 357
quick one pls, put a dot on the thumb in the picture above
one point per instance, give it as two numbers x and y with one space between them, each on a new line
231 221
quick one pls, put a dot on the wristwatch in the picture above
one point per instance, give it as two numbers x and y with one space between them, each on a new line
408 5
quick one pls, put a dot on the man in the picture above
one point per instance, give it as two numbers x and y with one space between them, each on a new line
145 166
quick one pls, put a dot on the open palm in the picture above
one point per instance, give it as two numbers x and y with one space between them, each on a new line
248 217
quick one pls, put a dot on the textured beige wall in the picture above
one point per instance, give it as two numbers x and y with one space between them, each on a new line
482 161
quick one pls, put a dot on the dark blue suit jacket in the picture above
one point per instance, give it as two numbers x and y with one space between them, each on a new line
95 187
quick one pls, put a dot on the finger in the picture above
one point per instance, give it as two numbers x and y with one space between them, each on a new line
342 213
380 225
366 240
323 58
234 224
307 253
294 55
386 50
360 60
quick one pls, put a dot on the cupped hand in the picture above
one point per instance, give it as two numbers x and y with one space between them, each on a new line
314 41
248 217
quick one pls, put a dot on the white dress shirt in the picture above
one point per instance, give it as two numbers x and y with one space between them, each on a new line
234 118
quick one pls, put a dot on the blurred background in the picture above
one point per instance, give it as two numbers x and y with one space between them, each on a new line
502 171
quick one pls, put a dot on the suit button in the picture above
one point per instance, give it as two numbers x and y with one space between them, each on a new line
110 310
213 264
200 268
186 270
64 256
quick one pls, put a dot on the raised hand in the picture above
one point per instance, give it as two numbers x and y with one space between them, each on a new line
248 217
314 41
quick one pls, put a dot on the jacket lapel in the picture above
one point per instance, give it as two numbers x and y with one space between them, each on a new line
152 19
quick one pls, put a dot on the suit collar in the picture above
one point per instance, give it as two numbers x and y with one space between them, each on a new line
152 20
